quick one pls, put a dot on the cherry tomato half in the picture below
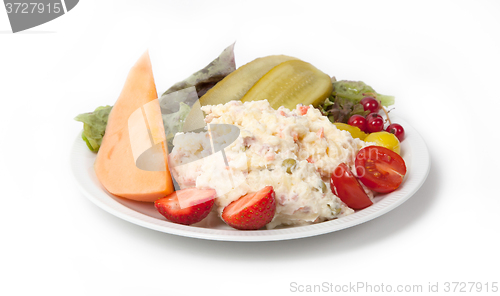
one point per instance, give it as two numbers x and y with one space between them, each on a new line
380 169
347 188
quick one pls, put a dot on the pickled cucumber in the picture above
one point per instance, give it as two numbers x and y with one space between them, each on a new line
290 83
235 85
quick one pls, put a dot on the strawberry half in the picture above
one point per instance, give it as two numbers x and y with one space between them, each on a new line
252 211
197 204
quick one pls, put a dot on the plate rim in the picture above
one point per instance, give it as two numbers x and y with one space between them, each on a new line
420 167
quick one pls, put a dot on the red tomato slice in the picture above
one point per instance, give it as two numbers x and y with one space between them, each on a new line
380 169
348 189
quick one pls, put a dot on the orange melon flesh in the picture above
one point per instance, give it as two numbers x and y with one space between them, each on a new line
115 165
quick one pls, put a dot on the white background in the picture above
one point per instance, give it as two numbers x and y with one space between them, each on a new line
441 60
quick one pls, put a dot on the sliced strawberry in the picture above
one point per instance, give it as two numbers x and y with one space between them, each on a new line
252 211
196 205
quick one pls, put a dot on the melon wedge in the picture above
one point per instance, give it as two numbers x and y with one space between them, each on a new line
115 164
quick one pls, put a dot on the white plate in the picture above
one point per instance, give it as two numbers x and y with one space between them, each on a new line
413 148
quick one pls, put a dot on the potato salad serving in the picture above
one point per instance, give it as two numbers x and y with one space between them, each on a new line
273 143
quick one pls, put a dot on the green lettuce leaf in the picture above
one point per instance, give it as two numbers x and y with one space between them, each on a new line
94 126
175 108
339 109
357 90
207 77
174 122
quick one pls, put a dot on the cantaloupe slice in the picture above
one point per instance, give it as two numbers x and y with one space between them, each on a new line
115 165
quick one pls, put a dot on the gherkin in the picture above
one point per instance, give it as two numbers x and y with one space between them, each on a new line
290 83
235 85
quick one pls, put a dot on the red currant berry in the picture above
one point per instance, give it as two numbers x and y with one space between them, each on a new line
357 121
372 116
375 124
370 104
397 130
